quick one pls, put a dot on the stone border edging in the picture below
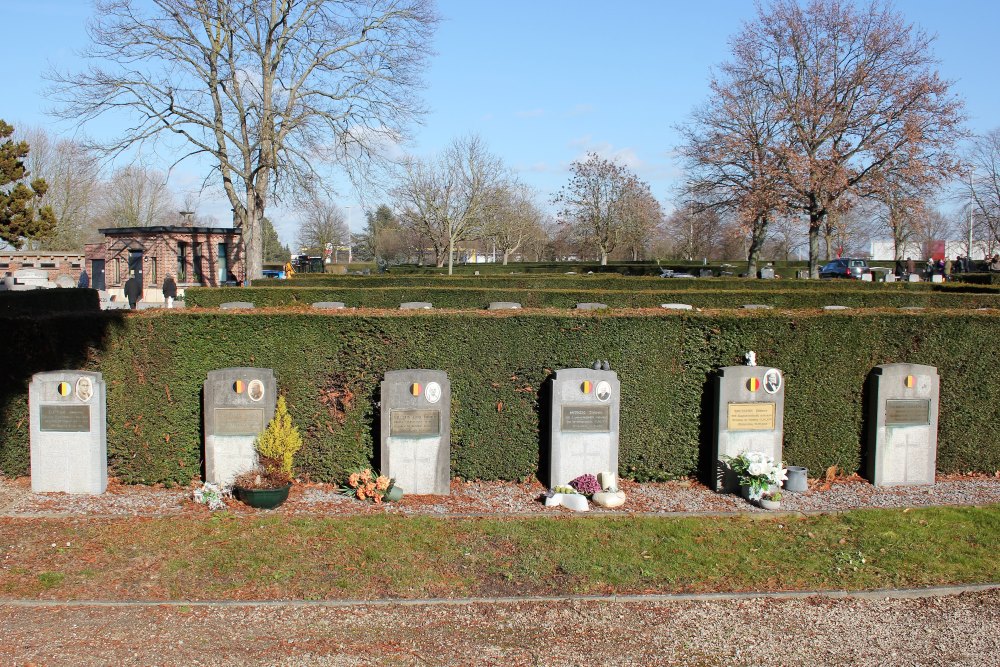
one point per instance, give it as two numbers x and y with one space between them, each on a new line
886 593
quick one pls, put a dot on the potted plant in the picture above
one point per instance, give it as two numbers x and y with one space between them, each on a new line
568 497
609 496
367 484
771 500
757 472
267 485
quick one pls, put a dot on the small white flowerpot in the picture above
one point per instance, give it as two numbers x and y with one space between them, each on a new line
555 500
770 504
608 499
576 502
607 480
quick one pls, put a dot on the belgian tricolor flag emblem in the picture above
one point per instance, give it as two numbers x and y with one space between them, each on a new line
585 387
238 386
910 381
63 388
415 388
753 384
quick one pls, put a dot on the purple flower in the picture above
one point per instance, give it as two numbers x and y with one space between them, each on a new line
586 485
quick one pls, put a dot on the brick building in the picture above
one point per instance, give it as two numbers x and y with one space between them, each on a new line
194 256
64 265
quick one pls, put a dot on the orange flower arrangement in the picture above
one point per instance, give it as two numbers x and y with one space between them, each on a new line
364 484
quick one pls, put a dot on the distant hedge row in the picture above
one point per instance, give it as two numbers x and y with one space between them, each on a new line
329 366
478 298
613 281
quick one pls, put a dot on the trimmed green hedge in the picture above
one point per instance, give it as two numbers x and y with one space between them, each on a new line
611 281
329 366
978 278
478 298
44 301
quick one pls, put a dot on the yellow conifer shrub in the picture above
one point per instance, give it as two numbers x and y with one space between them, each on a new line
280 440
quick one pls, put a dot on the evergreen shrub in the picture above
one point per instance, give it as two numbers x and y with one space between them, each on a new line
329 366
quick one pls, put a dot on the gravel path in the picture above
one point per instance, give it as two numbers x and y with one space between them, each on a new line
505 498
959 629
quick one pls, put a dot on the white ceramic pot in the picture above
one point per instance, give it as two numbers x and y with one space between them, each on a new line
770 504
607 480
575 502
608 499
555 500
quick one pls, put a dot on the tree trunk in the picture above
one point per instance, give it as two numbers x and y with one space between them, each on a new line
506 255
451 254
758 233
604 258
815 223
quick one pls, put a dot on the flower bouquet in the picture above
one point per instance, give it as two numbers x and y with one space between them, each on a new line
757 471
365 484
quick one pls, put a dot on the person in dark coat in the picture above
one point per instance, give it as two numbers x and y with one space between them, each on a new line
84 282
911 266
133 291
169 290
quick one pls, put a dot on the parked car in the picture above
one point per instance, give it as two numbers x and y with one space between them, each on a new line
845 268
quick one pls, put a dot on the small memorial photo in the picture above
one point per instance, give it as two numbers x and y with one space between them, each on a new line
433 392
255 390
84 389
772 381
603 391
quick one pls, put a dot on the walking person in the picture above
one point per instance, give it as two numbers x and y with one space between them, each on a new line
169 290
133 291
911 266
84 282
947 269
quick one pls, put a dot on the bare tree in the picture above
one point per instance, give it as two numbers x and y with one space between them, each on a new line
730 149
265 89
323 222
855 86
72 173
445 199
135 196
511 219
984 188
598 200
696 231
643 219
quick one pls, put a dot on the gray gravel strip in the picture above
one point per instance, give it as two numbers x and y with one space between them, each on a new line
961 629
883 593
476 499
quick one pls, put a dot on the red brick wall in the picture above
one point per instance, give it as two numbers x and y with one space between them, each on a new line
160 252
55 263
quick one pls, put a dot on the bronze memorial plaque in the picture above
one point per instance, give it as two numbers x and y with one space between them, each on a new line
239 421
414 423
65 418
586 418
907 412
750 417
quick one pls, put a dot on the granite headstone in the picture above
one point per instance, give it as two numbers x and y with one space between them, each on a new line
902 420
584 422
415 445
238 405
69 442
748 417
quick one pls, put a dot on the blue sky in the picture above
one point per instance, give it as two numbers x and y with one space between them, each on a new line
541 81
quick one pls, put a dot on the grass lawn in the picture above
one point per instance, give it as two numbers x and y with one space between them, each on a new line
224 557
